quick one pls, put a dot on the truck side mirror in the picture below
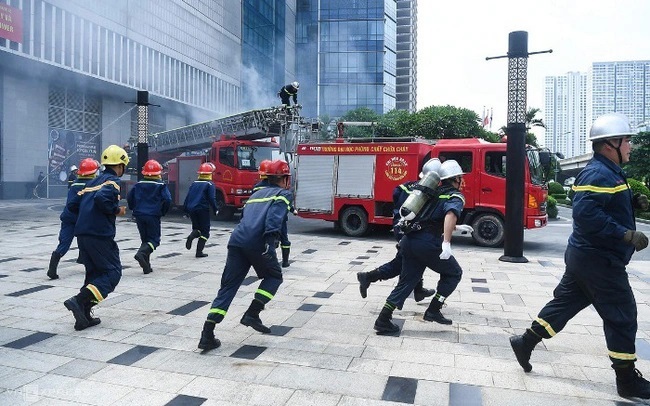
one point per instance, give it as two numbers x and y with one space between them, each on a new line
545 158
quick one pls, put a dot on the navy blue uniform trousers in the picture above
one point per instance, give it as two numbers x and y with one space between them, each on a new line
590 278
101 258
66 235
238 262
149 229
201 221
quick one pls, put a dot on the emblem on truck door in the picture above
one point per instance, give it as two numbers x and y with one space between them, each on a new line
396 168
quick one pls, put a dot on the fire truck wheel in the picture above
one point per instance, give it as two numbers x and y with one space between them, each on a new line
489 230
354 221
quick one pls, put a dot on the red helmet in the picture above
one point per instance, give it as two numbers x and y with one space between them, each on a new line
278 168
206 168
264 167
152 168
87 167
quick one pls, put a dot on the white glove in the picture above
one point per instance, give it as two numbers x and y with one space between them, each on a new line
295 212
446 250
464 228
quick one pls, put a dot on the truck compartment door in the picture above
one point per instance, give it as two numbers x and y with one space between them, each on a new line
187 169
315 182
356 174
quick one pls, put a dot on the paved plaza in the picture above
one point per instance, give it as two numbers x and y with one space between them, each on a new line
322 350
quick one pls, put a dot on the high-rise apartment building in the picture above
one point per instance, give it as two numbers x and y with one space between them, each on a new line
565 113
407 26
346 55
622 87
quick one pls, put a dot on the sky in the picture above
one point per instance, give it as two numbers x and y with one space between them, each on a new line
455 37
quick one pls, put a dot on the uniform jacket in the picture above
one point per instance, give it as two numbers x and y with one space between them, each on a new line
602 209
201 196
67 216
97 204
289 90
149 197
262 218
71 179
434 211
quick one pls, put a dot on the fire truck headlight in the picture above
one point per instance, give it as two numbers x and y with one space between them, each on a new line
538 223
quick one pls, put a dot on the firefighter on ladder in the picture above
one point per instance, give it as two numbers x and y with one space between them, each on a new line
253 243
201 199
288 92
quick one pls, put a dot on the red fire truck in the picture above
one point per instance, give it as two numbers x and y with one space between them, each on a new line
351 182
235 145
236 161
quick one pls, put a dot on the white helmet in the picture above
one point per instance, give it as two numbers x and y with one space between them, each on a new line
450 169
295 84
610 125
73 168
432 165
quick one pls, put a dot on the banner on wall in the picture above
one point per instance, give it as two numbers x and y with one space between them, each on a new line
67 148
11 23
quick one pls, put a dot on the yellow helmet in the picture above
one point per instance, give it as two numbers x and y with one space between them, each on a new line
114 155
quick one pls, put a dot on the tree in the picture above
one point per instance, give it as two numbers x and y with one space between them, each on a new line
531 121
639 165
364 115
435 122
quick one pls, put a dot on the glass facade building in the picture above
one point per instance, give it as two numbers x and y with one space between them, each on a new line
347 55
268 50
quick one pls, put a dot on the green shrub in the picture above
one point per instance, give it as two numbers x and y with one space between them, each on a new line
638 187
554 188
559 196
551 207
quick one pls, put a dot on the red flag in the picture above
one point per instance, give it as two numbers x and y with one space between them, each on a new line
486 121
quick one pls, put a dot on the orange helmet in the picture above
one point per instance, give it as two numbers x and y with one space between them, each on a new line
278 168
87 167
206 168
264 167
152 168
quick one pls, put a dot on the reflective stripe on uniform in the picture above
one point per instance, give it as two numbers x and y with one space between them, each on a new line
546 326
93 289
268 199
216 310
622 356
264 293
461 197
404 188
600 189
96 188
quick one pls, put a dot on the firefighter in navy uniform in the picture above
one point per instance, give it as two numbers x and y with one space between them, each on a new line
72 177
603 240
285 244
429 245
149 199
89 168
289 91
97 205
393 268
253 243
201 200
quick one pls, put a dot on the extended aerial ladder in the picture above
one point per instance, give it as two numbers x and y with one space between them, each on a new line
283 122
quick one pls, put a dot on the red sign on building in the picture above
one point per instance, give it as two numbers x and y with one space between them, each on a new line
11 23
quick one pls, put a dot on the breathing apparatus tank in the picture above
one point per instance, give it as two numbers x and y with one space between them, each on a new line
423 191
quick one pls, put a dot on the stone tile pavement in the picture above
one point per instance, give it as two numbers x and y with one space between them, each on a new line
322 350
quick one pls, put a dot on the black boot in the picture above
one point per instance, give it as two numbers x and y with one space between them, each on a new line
285 256
54 263
365 279
384 325
630 383
142 257
199 248
92 321
208 341
433 313
523 346
420 293
252 317
76 304
194 234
